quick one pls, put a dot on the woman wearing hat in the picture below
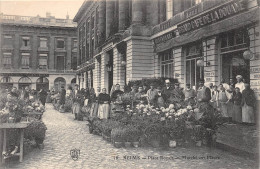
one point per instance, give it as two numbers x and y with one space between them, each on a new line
240 84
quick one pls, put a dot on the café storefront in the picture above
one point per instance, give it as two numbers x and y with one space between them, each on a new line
214 45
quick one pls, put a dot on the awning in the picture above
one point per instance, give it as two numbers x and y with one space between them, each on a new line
237 21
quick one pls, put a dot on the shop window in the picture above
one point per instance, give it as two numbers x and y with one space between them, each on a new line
60 43
43 61
8 40
167 62
26 41
7 60
43 42
25 60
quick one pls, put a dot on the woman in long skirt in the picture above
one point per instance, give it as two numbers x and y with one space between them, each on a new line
104 105
237 110
248 104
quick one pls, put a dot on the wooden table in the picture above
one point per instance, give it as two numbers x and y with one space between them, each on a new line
4 127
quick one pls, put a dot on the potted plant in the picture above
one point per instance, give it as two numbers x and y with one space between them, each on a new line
117 136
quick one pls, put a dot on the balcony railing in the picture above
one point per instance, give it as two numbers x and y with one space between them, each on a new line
36 20
11 70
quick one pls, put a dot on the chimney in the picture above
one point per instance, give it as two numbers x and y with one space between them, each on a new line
48 14
67 16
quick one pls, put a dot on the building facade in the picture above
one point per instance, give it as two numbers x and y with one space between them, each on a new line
188 40
39 52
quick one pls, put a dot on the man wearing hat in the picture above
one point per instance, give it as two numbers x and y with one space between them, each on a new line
151 94
168 89
240 84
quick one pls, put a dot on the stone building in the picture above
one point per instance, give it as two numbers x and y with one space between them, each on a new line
123 40
39 52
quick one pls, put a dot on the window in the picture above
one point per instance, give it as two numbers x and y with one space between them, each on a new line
43 42
167 62
8 40
234 38
60 43
74 63
43 61
7 60
75 44
26 41
25 60
169 8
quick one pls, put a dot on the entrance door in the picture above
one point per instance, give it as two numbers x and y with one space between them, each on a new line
193 72
60 63
58 83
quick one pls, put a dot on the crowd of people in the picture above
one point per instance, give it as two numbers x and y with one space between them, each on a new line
236 101
29 95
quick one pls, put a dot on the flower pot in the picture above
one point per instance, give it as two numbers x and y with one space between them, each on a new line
135 144
172 143
118 144
198 143
155 143
128 144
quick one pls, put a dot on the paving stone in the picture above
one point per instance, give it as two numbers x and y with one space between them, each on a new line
64 134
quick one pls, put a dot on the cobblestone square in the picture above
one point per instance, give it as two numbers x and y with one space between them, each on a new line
65 134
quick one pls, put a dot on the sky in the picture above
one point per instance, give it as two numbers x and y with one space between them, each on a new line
57 8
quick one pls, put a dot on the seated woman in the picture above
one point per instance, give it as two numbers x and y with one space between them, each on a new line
104 104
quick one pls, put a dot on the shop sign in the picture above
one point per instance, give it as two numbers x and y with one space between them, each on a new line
256 89
209 74
164 38
255 70
255 76
209 79
255 83
215 15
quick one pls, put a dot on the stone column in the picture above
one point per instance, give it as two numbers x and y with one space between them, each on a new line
68 56
85 80
123 11
162 10
179 63
177 6
34 55
153 12
102 21
51 58
211 73
17 54
104 73
109 16
137 11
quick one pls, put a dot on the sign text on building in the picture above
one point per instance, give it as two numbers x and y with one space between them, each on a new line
164 38
212 16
